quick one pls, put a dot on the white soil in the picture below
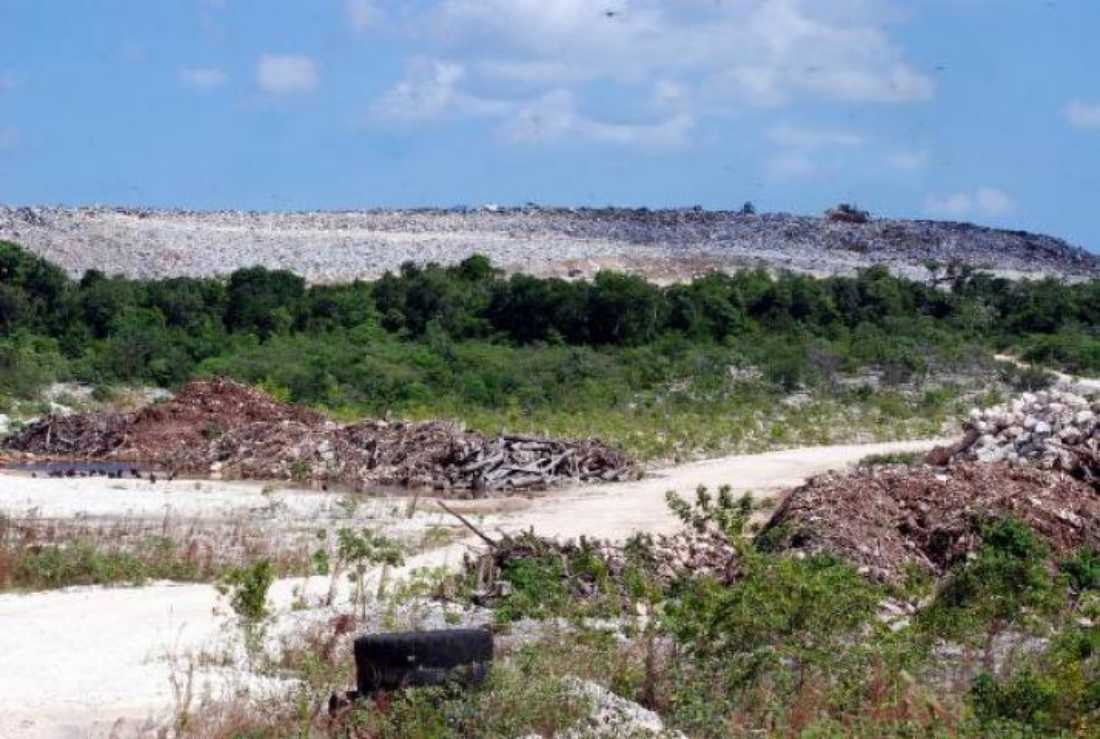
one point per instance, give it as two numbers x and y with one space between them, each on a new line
95 661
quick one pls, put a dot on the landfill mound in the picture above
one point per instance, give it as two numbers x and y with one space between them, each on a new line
888 519
1054 430
678 244
229 430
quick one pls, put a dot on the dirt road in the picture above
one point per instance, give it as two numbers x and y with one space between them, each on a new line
75 662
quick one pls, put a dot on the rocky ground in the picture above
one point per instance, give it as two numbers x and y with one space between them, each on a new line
1051 429
665 245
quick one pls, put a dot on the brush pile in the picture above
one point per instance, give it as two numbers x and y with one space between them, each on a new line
1052 430
229 430
587 568
888 519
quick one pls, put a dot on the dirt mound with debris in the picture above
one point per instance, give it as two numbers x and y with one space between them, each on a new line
887 519
230 430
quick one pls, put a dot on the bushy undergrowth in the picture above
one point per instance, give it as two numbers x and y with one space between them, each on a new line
791 646
797 646
31 559
665 371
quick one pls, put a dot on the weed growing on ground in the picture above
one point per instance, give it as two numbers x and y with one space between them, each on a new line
246 588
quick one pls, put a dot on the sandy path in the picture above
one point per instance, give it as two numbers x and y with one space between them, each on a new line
73 662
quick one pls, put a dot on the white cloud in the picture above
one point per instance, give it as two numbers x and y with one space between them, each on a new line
792 165
286 74
908 161
804 152
985 201
765 52
203 78
555 116
959 204
665 63
429 90
1083 115
993 202
362 13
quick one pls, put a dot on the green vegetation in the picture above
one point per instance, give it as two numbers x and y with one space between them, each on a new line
663 371
1005 645
45 557
82 562
908 459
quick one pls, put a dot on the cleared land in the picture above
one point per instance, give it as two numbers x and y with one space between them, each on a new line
90 656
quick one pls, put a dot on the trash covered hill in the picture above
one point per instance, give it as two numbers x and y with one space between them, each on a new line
229 430
669 244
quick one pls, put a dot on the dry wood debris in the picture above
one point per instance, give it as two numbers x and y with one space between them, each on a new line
229 430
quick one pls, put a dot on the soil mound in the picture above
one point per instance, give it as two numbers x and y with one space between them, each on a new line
231 430
887 519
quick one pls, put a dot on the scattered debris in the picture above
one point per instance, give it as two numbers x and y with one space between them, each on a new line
589 565
229 430
1053 430
613 716
677 243
887 519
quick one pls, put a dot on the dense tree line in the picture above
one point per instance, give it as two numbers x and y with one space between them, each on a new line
112 329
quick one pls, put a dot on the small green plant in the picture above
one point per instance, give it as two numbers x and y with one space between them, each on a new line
212 431
724 513
1027 698
908 459
247 588
105 393
299 470
357 552
1082 569
1007 581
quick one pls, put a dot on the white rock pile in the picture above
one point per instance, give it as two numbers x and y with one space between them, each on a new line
1053 429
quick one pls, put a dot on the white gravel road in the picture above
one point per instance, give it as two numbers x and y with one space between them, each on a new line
94 661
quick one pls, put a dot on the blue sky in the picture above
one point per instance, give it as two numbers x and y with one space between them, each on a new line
983 110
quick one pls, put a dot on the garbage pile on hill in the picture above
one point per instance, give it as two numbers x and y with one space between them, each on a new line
231 430
887 519
1053 430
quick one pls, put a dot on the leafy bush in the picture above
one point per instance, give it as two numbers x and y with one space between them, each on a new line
908 459
1082 569
1006 581
247 590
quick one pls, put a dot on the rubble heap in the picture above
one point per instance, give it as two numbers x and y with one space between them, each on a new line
886 519
328 247
230 430
1054 430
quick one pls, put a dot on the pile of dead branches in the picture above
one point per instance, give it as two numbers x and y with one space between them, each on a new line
230 430
885 520
592 567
